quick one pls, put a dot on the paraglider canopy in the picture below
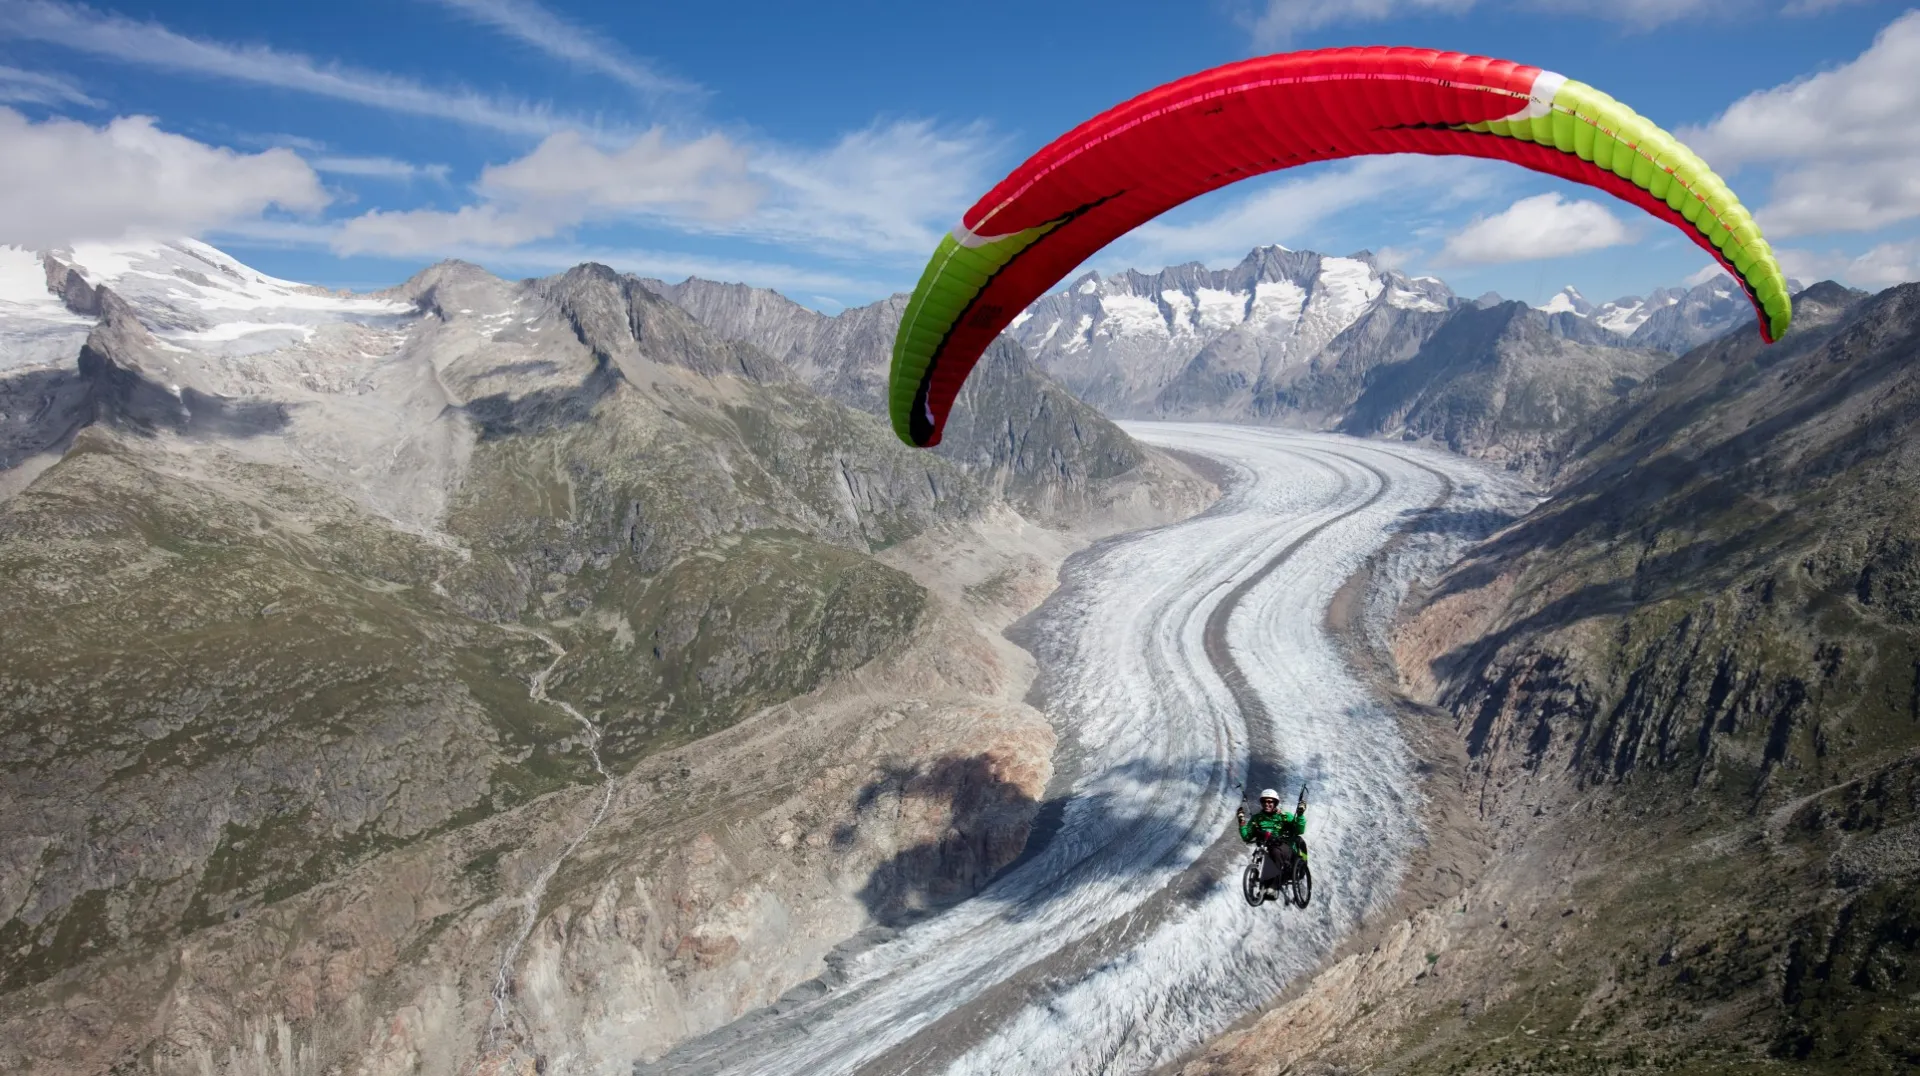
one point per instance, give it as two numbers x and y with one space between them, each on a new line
1139 159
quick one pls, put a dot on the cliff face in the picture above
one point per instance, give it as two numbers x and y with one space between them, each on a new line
1684 695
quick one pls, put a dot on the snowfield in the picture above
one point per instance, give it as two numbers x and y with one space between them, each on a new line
188 293
1120 940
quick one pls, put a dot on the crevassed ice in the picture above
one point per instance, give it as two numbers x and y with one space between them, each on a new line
157 272
234 330
1220 309
1277 300
1412 300
1348 285
1131 315
1622 319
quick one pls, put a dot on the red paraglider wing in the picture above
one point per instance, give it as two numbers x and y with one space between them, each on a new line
1167 146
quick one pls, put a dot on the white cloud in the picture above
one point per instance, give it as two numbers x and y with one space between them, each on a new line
1277 22
560 39
1276 25
567 181
63 182
433 233
545 257
1883 266
35 88
380 168
1818 7
1854 109
1393 257
1844 143
151 45
1643 14
705 177
1543 226
1287 211
888 190
1847 196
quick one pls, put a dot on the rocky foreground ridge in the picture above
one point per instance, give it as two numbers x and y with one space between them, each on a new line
1674 722
486 671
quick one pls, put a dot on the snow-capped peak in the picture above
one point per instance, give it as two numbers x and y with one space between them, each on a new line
1568 300
186 292
198 295
1626 314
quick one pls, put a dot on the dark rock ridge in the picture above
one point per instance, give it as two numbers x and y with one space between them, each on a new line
70 286
619 318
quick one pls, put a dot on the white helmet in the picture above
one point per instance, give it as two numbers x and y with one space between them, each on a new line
1269 794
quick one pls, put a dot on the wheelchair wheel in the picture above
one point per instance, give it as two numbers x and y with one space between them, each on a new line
1250 886
1302 885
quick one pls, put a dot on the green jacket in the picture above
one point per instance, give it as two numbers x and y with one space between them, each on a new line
1278 823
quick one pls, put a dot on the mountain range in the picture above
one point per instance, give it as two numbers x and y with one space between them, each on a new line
1297 338
1286 337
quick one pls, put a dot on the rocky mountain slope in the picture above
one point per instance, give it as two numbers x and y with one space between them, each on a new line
1502 383
1016 430
462 675
1688 319
1679 711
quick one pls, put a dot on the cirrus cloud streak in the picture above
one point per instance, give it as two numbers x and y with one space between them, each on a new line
154 46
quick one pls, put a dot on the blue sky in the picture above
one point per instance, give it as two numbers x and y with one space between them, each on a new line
822 148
